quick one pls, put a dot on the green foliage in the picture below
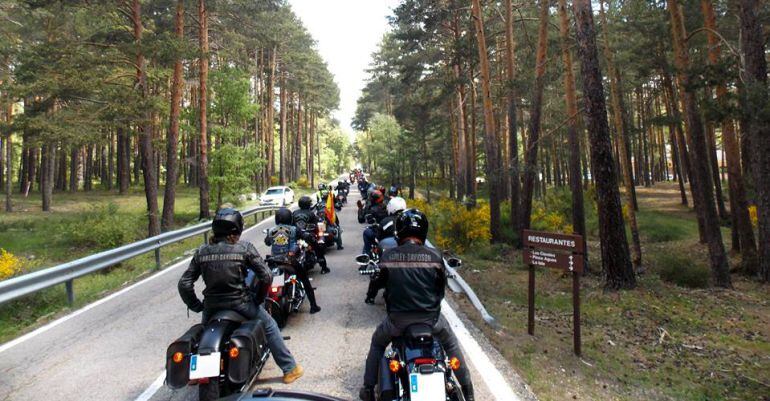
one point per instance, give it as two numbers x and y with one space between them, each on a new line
682 270
336 150
104 227
453 226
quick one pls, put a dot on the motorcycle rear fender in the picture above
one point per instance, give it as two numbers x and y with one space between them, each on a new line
178 374
216 332
251 342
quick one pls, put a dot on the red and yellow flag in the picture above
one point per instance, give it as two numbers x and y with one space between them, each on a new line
330 207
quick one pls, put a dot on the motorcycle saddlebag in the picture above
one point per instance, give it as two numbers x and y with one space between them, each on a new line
386 382
252 345
178 374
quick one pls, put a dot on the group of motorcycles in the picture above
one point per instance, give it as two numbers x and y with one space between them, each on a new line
225 355
415 367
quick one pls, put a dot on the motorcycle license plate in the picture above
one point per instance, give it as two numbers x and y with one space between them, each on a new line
278 281
427 387
204 365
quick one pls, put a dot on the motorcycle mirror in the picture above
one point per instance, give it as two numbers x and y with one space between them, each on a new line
360 204
454 262
362 259
264 231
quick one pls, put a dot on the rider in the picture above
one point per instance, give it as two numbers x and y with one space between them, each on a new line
224 265
415 280
301 218
282 240
378 210
386 238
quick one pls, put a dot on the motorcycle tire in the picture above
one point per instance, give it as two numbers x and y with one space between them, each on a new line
210 391
277 313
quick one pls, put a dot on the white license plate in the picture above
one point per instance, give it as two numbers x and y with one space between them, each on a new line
204 365
278 281
427 387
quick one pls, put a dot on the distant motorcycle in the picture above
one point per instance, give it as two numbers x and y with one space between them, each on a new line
223 356
327 232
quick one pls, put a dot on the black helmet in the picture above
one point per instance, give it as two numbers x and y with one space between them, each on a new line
412 223
283 216
393 191
305 202
321 187
228 221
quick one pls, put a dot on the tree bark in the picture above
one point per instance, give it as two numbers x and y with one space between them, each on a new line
513 142
46 176
145 129
282 132
738 203
172 139
616 263
758 120
704 191
570 96
618 118
490 136
203 61
530 152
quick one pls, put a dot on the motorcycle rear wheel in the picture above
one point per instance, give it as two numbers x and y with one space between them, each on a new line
210 391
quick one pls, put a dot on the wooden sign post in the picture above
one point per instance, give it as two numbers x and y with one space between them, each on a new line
556 251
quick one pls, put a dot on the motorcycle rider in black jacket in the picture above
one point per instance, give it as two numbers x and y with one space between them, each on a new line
224 265
379 211
415 279
306 215
386 238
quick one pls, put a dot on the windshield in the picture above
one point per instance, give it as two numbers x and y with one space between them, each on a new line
274 192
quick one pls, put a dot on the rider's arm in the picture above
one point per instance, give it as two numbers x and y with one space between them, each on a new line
255 263
186 285
268 239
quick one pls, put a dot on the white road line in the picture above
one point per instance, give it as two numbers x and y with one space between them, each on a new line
154 387
492 377
49 326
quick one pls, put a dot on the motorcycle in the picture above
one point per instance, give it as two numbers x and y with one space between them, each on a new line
327 233
287 293
223 356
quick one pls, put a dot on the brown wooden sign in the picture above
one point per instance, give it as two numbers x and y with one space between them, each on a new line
557 251
553 241
554 260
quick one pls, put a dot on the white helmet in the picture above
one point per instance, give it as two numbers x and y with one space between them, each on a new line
396 205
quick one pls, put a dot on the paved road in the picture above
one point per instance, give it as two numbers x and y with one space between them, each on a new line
115 350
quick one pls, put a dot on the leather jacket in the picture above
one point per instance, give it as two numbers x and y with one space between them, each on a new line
224 267
282 240
378 210
415 280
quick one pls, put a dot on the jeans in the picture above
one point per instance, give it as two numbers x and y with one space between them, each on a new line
389 329
370 237
281 354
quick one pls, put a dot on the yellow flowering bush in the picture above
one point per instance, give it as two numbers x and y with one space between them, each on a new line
753 215
452 225
9 264
543 220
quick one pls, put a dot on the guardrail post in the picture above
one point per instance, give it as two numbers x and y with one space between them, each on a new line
205 238
157 258
70 292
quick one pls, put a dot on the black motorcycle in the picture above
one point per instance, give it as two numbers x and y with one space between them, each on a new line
287 293
222 357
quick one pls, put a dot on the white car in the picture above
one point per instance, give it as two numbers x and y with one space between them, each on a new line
277 196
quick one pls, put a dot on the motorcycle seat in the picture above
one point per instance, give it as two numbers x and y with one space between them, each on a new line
228 315
419 331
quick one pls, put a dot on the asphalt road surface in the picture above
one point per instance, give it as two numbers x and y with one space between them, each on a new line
114 349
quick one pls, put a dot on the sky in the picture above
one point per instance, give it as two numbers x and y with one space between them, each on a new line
347 32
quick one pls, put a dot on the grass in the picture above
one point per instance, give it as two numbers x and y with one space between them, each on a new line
661 341
81 224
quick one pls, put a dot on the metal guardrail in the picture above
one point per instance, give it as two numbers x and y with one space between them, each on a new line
65 273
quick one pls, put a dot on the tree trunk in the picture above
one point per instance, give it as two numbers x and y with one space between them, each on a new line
738 204
282 132
570 96
490 136
513 143
758 120
719 265
46 176
530 152
618 118
172 139
203 165
616 264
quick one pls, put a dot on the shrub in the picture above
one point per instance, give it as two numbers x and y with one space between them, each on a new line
303 182
682 271
9 264
453 226
102 228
